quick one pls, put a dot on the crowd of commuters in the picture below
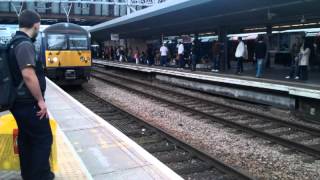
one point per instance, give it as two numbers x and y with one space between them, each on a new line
135 55
182 55
301 53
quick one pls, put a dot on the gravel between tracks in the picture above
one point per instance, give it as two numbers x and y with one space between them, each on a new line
285 115
256 156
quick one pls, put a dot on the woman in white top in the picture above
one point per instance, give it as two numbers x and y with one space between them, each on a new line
240 54
163 55
305 52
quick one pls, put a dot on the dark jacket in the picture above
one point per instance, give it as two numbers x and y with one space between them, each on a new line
195 48
260 50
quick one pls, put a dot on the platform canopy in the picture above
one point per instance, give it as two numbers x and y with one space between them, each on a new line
176 17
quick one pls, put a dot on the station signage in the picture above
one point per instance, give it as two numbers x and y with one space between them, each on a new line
115 37
186 39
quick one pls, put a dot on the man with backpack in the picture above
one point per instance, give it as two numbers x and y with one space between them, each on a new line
28 105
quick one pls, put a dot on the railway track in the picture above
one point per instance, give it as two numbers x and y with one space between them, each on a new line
291 135
182 158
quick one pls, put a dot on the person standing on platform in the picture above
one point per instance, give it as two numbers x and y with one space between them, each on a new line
305 52
240 53
216 47
195 54
137 55
181 55
112 53
150 55
295 58
163 55
29 108
129 54
121 54
260 54
118 53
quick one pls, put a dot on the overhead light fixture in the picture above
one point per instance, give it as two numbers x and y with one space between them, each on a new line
310 24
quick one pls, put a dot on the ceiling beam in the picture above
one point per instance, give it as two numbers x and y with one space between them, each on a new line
106 2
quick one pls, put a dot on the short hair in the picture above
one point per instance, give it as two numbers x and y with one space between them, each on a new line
260 38
240 38
28 18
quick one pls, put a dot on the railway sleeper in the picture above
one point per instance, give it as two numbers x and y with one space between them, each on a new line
154 149
175 158
189 168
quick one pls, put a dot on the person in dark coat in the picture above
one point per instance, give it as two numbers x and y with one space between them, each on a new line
260 54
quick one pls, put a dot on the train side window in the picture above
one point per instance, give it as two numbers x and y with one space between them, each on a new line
57 42
78 42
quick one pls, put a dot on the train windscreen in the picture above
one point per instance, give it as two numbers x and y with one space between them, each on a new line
78 42
57 42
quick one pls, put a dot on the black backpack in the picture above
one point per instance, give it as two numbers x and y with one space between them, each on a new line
8 91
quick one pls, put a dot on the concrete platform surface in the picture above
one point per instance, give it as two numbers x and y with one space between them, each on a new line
90 148
104 151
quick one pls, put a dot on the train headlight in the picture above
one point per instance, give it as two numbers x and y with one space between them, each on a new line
50 60
55 59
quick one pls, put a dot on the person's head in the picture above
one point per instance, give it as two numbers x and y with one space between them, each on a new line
260 38
29 22
239 39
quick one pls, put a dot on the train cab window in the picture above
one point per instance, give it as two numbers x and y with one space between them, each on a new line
79 42
57 42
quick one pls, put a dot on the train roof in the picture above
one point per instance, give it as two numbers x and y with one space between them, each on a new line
65 28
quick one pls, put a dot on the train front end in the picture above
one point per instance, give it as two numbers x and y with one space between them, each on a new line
67 55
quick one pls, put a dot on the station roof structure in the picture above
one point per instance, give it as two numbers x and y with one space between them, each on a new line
82 12
175 17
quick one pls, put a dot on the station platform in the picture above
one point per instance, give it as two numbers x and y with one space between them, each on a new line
302 89
90 148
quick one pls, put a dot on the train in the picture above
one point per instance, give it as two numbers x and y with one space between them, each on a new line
64 49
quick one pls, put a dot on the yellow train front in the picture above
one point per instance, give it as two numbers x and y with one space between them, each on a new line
65 51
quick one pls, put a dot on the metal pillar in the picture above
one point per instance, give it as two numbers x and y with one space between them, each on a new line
224 57
268 41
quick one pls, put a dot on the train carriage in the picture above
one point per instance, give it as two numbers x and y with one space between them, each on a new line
65 52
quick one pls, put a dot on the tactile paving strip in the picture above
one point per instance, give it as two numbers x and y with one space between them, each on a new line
68 164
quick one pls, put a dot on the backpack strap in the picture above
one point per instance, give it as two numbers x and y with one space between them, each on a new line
15 41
